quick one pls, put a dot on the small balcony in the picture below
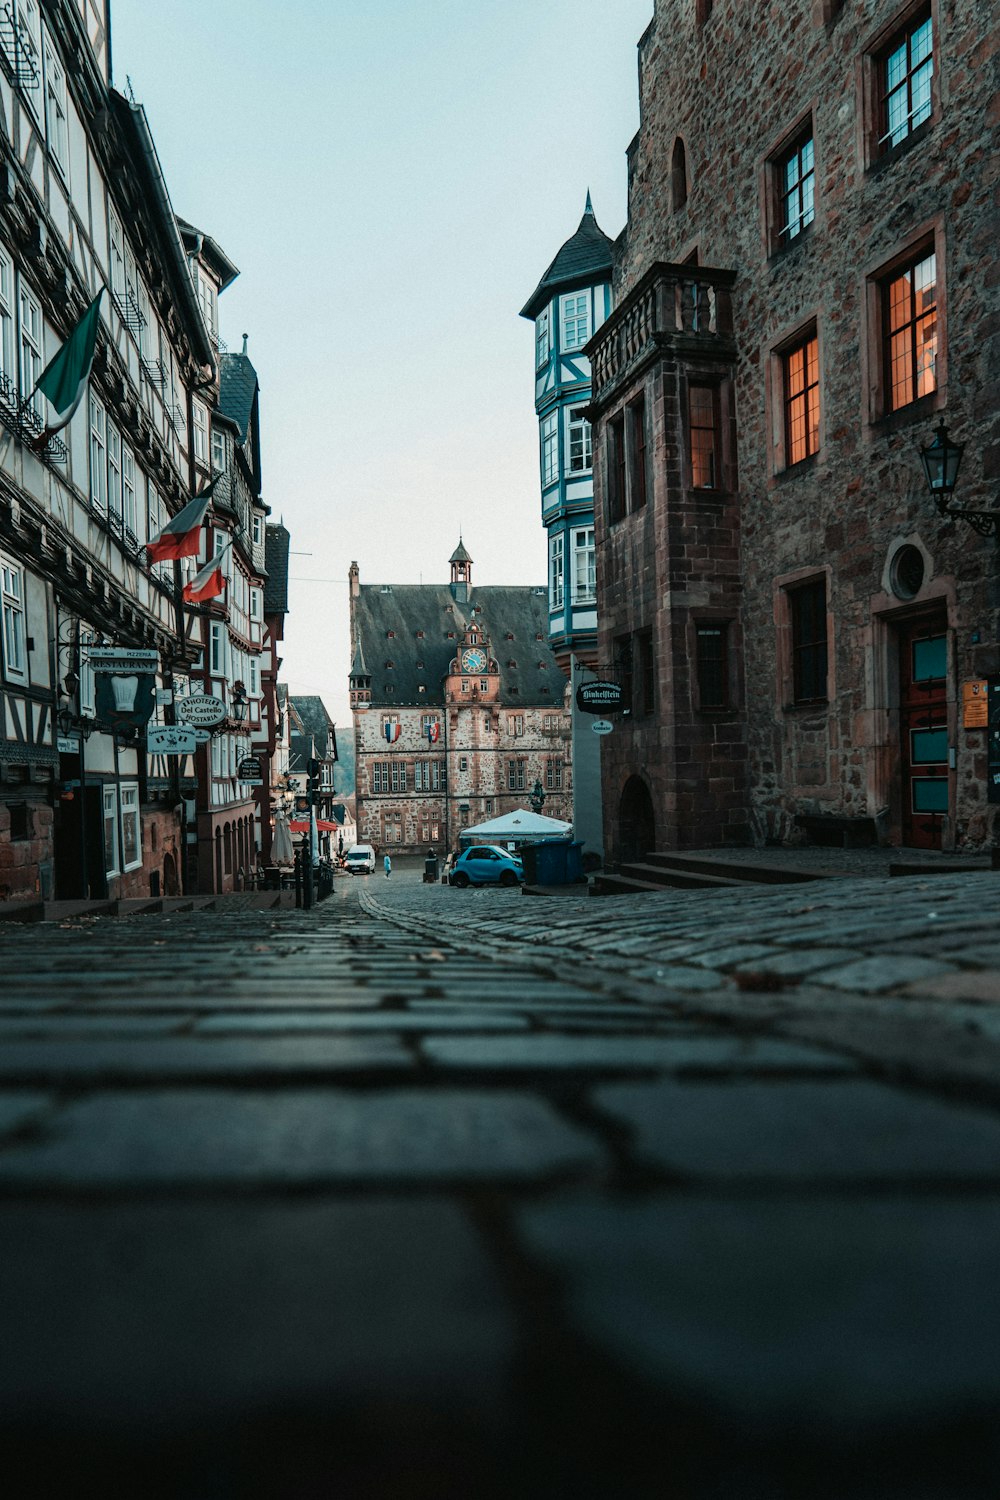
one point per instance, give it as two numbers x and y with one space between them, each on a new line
682 309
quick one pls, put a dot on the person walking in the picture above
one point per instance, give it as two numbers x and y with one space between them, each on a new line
388 866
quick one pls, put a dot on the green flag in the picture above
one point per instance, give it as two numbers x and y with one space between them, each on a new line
64 379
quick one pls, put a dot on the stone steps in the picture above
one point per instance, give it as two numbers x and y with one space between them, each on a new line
661 870
738 871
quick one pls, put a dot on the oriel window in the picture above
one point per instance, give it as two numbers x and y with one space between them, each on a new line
712 664
703 430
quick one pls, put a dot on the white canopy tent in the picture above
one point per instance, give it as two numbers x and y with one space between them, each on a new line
516 828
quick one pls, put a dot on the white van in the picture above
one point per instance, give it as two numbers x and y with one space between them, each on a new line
360 859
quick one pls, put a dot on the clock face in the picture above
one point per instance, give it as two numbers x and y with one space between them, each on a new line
473 660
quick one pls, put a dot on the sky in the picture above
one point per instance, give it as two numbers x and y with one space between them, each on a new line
392 178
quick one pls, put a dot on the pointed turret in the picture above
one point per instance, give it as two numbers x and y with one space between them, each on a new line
360 681
585 258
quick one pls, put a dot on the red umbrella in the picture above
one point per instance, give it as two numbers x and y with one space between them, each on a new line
323 824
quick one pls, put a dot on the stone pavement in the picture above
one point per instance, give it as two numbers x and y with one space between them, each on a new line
435 1193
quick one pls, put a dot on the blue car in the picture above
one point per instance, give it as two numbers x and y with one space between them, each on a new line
487 864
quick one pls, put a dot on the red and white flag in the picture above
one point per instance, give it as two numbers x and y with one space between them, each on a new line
210 582
181 537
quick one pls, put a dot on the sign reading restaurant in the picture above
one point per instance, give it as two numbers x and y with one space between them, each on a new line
599 697
121 659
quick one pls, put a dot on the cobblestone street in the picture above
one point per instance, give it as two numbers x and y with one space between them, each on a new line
434 1193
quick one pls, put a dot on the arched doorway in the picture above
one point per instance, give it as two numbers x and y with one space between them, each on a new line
636 821
170 885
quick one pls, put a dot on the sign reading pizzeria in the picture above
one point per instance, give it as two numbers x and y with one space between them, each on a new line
599 698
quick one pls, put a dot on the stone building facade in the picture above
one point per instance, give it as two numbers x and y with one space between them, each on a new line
806 287
459 708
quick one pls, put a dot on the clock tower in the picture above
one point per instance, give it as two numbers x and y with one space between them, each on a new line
474 675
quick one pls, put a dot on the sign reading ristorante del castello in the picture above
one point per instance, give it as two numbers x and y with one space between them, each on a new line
599 697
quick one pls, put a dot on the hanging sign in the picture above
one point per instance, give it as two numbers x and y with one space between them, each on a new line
599 697
125 698
201 736
602 726
170 739
201 709
250 771
121 659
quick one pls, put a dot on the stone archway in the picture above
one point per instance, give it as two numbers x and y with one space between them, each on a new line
636 821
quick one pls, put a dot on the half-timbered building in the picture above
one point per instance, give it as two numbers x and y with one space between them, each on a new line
84 210
83 207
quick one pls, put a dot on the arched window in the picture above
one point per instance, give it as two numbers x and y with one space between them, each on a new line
678 176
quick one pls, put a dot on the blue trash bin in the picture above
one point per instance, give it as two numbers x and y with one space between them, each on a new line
559 862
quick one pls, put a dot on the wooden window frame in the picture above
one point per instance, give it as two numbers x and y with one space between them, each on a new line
803 140
715 667
790 396
889 334
900 40
716 430
807 637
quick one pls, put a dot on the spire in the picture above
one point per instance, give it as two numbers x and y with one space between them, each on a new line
590 207
358 668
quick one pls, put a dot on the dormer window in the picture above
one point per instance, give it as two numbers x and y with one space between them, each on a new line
420 666
510 635
512 662
390 635
390 665
420 635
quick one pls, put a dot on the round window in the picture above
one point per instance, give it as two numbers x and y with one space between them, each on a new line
907 572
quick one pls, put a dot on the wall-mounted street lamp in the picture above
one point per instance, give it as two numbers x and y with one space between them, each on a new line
239 703
537 797
941 460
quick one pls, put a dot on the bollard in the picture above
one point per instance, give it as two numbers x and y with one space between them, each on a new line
298 878
307 880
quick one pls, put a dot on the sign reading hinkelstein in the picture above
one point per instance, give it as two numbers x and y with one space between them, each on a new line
599 697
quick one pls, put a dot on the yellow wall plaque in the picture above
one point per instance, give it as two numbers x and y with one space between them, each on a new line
974 705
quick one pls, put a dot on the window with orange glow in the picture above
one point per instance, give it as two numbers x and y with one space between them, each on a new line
911 332
802 401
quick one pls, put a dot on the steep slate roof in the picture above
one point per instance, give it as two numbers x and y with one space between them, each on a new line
276 545
586 257
212 251
460 554
406 608
317 726
237 388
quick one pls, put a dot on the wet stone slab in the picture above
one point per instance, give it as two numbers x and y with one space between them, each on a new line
151 1314
802 1132
738 1054
339 1021
825 1316
105 1060
317 1136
